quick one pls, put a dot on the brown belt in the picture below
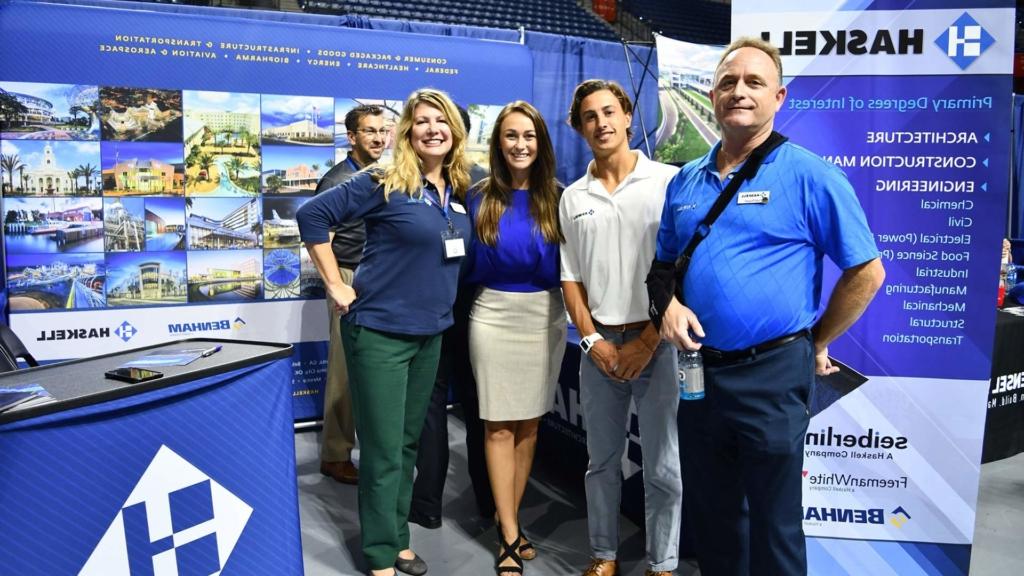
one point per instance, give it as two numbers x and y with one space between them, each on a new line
622 327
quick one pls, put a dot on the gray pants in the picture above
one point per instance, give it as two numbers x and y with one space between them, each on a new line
606 416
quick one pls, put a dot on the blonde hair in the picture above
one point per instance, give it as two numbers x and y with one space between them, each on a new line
753 42
405 173
496 191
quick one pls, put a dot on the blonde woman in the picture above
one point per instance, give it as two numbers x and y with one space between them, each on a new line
399 303
517 324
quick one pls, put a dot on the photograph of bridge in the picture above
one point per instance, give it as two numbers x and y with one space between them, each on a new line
55 281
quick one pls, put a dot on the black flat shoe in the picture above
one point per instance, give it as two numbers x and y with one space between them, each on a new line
414 567
425 520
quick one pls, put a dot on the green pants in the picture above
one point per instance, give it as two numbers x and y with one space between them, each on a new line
391 377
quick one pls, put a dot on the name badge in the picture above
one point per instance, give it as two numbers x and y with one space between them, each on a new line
759 197
454 244
457 207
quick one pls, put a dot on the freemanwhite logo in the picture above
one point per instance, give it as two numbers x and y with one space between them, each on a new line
177 520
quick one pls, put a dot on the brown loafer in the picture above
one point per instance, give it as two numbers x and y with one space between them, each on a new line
344 472
599 567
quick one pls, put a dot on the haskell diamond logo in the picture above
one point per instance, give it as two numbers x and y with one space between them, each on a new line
964 41
125 331
176 522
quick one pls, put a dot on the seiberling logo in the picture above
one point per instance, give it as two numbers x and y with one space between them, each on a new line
176 517
964 41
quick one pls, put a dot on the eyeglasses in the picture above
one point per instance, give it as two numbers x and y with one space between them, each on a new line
371 132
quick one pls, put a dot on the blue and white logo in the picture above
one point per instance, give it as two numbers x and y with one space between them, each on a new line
125 331
177 521
964 41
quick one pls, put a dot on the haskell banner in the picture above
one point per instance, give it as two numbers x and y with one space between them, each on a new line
910 99
152 165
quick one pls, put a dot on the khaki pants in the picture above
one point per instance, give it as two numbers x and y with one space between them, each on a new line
339 433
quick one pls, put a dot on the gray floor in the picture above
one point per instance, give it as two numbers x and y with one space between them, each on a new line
465 544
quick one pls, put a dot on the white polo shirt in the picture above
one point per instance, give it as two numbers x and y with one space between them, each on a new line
610 238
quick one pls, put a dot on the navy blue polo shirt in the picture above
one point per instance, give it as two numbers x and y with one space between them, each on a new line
758 274
404 283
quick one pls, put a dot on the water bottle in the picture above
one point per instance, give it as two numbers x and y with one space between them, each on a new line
691 375
1011 276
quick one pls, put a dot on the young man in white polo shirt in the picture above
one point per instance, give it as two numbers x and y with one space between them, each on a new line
610 219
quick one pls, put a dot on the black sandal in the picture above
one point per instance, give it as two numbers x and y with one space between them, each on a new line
526 549
509 550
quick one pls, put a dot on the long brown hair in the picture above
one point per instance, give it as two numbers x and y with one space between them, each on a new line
497 190
405 173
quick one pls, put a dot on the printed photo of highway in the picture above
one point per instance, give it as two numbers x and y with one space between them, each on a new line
47 169
165 224
222 143
280 229
281 273
481 123
48 225
140 114
124 224
225 276
687 127
146 279
55 281
36 111
142 169
297 120
223 223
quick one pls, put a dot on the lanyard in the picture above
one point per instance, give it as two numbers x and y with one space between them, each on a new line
445 201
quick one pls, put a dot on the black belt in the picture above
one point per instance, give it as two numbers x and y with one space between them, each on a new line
715 357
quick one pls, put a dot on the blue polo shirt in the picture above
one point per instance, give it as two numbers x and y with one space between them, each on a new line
403 284
758 274
521 260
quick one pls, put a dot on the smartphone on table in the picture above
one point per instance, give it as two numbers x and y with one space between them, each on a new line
133 375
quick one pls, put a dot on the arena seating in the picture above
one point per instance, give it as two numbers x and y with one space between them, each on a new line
698 21
553 16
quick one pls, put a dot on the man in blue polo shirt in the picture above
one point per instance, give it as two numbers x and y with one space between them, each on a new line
752 293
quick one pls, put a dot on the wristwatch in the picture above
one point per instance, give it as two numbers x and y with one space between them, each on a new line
587 342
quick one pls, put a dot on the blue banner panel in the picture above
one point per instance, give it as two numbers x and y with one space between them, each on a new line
167 482
153 163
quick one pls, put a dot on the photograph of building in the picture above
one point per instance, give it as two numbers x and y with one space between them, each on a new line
225 276
165 224
481 123
123 224
146 279
223 223
392 111
280 229
36 111
281 271
141 114
55 281
41 168
296 169
43 225
222 143
142 169
297 120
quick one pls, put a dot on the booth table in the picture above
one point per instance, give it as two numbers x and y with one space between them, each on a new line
1004 425
191 473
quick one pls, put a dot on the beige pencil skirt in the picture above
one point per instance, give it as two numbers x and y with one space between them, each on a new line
516 343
